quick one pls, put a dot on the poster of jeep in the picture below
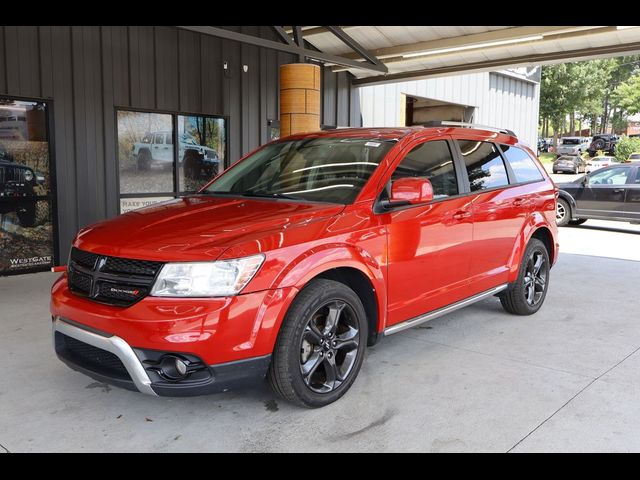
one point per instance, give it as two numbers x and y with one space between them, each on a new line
201 152
26 227
147 155
145 152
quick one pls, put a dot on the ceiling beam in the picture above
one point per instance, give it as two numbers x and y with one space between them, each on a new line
505 34
491 65
295 49
283 35
351 43
548 37
311 31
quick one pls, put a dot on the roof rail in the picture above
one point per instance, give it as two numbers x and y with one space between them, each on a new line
447 123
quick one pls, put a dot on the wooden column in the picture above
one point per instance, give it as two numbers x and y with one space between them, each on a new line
299 98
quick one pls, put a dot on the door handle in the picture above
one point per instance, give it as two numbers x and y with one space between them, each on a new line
461 214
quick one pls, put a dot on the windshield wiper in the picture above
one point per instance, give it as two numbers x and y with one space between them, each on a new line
254 193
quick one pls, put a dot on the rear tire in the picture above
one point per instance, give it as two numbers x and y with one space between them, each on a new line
563 213
526 295
308 368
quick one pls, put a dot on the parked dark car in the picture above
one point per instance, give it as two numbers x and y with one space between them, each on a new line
569 164
19 187
605 142
611 193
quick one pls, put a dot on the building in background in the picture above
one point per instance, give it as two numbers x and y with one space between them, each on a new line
633 128
507 99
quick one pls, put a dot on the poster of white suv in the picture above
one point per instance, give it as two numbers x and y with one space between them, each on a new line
156 148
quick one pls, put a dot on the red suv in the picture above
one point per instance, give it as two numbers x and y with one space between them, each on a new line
303 253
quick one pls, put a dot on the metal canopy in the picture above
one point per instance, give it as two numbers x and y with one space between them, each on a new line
381 54
424 51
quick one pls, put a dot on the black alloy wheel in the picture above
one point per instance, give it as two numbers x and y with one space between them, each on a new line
526 295
535 278
320 346
329 347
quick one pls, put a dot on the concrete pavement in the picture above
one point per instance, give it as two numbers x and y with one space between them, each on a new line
565 379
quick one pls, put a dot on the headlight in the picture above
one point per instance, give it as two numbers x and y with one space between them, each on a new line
206 279
28 175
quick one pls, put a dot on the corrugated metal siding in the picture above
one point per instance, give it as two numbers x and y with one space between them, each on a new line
89 71
500 100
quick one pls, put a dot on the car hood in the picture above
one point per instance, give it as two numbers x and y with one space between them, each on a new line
198 227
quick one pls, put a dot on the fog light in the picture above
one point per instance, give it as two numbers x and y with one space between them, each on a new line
173 368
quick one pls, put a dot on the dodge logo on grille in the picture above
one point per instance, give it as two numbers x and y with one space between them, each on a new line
125 291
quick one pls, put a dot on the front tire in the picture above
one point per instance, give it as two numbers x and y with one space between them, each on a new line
526 295
321 344
563 212
27 215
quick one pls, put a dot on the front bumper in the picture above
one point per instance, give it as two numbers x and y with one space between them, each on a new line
230 339
109 359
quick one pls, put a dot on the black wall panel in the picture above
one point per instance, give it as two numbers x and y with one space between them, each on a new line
87 72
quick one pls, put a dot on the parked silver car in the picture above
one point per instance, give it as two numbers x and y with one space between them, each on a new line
573 145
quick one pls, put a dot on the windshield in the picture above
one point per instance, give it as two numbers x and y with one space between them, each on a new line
316 169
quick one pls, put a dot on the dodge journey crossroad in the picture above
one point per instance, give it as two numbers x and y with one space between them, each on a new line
303 253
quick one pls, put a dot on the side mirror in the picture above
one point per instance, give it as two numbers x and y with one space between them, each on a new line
409 191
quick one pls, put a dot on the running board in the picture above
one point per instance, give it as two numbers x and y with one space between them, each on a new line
443 311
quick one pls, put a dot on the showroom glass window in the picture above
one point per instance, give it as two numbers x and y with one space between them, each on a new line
154 167
485 167
26 208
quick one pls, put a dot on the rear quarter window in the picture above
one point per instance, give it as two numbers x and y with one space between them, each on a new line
524 167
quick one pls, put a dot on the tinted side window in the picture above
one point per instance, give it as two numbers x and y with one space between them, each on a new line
432 160
485 167
523 166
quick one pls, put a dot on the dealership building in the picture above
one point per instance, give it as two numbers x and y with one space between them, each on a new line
99 120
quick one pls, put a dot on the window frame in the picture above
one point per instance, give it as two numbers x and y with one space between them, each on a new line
629 180
461 177
513 180
507 167
456 169
176 192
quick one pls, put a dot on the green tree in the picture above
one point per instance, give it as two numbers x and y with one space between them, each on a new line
627 95
626 146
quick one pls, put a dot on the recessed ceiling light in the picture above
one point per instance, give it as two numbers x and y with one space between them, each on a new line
474 46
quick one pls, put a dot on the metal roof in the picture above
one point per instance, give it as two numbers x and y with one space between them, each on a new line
422 51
